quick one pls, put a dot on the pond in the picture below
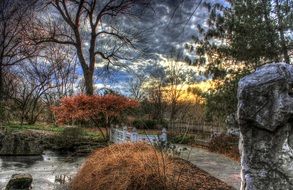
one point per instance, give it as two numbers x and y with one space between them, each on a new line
43 168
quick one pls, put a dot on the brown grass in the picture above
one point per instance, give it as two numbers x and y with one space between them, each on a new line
140 167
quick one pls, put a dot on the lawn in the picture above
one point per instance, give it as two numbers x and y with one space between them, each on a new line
87 132
90 132
39 126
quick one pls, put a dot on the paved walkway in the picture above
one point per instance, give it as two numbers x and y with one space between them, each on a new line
217 165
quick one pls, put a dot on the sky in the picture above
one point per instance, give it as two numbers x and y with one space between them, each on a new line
173 23
165 29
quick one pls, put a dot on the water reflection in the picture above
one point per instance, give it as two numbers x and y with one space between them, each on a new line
43 168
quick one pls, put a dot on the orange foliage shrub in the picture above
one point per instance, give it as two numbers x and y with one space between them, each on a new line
90 108
140 167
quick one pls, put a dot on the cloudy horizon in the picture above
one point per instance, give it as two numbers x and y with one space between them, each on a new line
166 28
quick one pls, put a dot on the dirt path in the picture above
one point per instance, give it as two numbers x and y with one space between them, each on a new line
217 165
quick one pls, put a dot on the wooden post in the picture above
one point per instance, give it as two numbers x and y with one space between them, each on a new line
134 135
124 133
163 136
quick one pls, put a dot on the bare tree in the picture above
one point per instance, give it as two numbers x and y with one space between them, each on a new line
63 76
135 87
63 63
33 81
91 27
10 84
38 83
154 90
173 87
166 88
15 47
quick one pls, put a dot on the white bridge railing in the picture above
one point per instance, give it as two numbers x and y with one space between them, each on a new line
123 135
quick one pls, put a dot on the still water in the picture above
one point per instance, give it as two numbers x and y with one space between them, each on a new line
43 168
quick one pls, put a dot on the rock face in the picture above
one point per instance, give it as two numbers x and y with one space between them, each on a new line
20 182
265 117
18 143
28 143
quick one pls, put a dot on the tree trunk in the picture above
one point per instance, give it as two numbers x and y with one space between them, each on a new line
88 82
1 95
284 47
172 111
88 70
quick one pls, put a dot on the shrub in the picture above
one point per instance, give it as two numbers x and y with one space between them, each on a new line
182 139
68 137
225 144
126 166
83 108
140 166
72 133
139 124
144 124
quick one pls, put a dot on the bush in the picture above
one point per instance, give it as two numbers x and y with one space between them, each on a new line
84 108
163 124
139 124
144 124
68 137
72 133
221 100
126 166
182 139
225 144
140 166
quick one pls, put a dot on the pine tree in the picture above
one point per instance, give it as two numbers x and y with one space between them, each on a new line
246 33
253 32
283 14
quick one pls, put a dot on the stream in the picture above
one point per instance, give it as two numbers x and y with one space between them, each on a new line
43 169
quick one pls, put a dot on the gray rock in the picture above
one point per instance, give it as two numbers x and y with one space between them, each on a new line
265 117
20 143
20 182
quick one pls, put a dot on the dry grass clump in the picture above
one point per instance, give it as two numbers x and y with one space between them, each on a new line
140 167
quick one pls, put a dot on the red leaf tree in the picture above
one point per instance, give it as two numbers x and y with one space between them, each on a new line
92 108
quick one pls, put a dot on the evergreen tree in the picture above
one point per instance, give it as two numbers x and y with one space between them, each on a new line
239 37
283 14
253 32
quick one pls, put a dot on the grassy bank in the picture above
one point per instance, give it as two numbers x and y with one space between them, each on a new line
49 128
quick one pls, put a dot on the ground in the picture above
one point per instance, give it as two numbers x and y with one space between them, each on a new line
202 180
215 164
203 162
140 166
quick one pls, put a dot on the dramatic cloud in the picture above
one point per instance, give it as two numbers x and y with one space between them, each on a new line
163 29
171 23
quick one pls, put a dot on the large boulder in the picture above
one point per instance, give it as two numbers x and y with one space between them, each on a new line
20 143
265 118
20 182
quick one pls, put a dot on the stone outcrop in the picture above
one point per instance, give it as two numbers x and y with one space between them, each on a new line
265 118
20 182
20 143
33 142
